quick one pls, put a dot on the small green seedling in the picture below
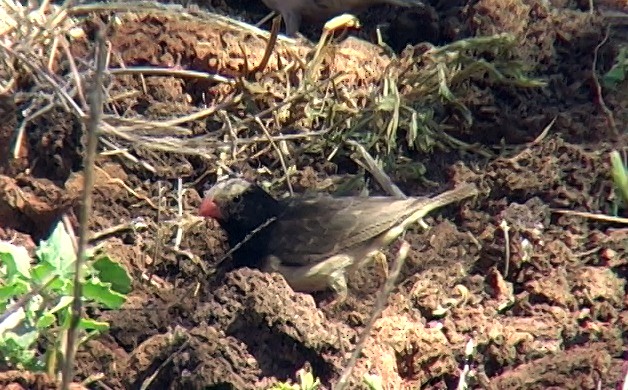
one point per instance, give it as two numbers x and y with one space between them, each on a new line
619 171
373 382
36 299
306 382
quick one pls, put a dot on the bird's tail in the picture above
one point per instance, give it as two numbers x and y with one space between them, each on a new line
426 205
459 193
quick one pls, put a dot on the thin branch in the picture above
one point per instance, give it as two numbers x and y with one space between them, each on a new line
380 303
96 103
598 88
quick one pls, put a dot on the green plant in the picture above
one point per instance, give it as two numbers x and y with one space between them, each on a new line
306 382
620 177
40 317
373 382
617 74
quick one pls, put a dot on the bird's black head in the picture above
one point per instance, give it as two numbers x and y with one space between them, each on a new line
242 208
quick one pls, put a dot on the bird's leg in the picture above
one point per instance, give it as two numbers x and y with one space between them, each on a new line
380 258
338 284
292 19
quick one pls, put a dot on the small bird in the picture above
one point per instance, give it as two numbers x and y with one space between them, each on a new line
293 11
313 241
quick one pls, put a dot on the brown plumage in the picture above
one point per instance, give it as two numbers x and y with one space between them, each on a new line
294 11
312 242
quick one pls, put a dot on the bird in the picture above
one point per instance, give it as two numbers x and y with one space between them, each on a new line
294 11
313 241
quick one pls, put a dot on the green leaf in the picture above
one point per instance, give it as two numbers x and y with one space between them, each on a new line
110 271
387 103
614 77
24 340
617 74
17 350
64 302
17 260
48 317
307 380
620 176
102 293
18 287
58 251
42 272
33 309
45 321
90 324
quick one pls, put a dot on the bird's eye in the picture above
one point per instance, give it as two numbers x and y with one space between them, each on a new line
237 199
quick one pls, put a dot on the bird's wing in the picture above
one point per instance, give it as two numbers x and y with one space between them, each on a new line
313 229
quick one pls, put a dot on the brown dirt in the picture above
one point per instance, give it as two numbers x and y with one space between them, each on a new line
553 316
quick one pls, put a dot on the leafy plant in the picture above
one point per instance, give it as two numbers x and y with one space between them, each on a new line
41 314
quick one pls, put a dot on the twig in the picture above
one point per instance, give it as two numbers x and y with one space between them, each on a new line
136 124
235 100
468 355
147 382
244 241
126 154
19 138
96 103
544 133
272 41
380 176
279 153
33 65
598 88
290 99
505 228
380 302
126 187
133 226
599 217
67 224
156 71
95 378
158 239
25 298
281 137
192 257
179 235
75 71
271 14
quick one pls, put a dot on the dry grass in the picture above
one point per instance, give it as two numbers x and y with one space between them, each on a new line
383 108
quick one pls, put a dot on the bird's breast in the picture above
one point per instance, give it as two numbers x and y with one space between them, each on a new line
311 277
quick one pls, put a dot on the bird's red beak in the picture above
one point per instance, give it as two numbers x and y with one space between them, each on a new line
209 209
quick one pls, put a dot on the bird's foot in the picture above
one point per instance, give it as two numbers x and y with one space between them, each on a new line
334 303
338 284
380 258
